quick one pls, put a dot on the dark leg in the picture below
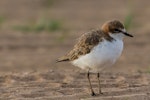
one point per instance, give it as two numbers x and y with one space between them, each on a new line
98 77
92 92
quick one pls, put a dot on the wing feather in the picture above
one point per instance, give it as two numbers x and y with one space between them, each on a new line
84 45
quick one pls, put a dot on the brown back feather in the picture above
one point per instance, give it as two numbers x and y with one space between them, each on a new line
84 45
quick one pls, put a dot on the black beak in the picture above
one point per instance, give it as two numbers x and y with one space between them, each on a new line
127 34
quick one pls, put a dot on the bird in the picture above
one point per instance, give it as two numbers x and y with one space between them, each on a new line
98 49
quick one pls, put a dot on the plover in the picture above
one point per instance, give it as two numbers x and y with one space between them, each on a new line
98 49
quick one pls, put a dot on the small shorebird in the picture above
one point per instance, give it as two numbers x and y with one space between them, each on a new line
98 49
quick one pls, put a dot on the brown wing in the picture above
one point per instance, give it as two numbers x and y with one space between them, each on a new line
84 45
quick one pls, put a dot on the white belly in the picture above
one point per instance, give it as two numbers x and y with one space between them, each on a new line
103 55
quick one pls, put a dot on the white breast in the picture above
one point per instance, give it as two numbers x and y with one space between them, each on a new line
103 55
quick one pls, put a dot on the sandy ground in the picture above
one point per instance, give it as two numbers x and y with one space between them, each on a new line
27 59
56 85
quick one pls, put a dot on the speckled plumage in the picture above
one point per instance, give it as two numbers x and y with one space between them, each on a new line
85 44
90 39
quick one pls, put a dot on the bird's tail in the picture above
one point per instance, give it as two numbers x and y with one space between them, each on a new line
61 59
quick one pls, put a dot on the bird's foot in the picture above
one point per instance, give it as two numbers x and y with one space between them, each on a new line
101 93
93 94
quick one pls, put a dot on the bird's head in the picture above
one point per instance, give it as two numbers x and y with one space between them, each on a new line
115 29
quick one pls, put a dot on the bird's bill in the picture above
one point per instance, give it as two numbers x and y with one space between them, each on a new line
127 34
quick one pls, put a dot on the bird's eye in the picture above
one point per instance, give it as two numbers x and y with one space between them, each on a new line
116 30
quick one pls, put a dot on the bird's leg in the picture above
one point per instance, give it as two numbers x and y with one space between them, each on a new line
98 77
92 92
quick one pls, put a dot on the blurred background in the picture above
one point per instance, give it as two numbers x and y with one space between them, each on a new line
34 33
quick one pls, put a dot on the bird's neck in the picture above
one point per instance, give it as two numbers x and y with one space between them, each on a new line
117 36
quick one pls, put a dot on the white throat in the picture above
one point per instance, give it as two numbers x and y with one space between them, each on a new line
117 36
